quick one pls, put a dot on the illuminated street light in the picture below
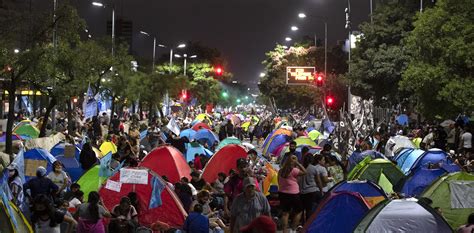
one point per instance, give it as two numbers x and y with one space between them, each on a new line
181 46
177 55
262 75
288 39
16 50
301 15
294 28
99 4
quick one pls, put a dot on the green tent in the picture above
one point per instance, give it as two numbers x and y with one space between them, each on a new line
12 220
440 193
90 181
228 141
380 171
28 130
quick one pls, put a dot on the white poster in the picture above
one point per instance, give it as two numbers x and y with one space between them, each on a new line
113 185
462 194
133 176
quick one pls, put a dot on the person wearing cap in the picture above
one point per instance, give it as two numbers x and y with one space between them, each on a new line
247 206
15 184
235 184
40 185
262 224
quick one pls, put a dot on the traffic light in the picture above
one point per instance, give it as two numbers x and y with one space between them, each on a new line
219 71
184 95
319 80
329 101
225 94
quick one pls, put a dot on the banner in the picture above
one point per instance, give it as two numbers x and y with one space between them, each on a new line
133 176
90 110
113 185
173 127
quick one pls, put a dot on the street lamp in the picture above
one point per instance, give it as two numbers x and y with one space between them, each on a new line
99 4
288 39
294 28
16 51
185 56
262 75
154 49
179 46
302 16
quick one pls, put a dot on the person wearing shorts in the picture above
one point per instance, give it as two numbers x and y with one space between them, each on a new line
289 192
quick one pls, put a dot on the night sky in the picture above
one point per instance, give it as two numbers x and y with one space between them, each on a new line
243 30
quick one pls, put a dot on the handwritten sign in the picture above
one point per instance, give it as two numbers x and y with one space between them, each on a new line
133 176
300 75
113 185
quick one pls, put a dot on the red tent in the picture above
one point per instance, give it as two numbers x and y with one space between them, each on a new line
200 125
167 161
170 211
222 161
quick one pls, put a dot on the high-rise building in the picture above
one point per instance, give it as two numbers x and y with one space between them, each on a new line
123 31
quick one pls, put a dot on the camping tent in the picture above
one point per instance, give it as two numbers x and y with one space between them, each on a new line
222 161
194 148
12 220
90 181
275 142
419 179
107 147
37 157
157 201
379 171
406 160
453 193
431 156
200 126
394 144
27 130
59 149
403 215
188 133
167 161
227 141
371 192
339 212
356 157
206 136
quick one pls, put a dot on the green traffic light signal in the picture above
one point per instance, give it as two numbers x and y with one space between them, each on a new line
224 94
238 100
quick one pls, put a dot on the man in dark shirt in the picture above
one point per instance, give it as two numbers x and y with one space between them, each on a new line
197 181
41 185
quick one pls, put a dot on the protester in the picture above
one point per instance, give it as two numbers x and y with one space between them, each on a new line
90 215
289 191
125 217
197 181
320 162
203 198
73 189
40 185
235 185
46 219
87 157
59 177
15 185
247 206
309 186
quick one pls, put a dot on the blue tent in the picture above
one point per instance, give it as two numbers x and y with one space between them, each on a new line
402 153
58 149
194 148
189 133
275 142
357 157
37 157
371 192
339 212
431 156
206 135
406 161
72 167
419 179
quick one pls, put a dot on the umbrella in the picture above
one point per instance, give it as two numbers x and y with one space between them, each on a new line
227 141
194 148
189 133
28 130
248 146
206 135
203 116
200 125
305 141
314 135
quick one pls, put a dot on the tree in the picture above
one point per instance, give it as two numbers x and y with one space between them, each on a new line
440 69
379 58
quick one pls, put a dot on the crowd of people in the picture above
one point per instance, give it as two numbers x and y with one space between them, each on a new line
231 203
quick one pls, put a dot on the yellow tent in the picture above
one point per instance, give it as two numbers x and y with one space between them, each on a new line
204 116
107 147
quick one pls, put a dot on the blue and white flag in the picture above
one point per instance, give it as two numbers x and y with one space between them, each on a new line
158 187
19 162
173 127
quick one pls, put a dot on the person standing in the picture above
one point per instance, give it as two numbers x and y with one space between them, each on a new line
90 215
309 183
40 185
289 191
466 142
247 206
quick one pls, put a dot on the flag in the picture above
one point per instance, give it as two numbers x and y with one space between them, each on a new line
90 104
143 134
328 125
19 161
158 187
173 127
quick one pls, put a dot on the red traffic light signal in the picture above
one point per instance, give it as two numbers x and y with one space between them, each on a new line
184 94
319 80
329 101
219 71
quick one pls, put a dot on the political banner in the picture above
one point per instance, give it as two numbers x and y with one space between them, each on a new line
133 176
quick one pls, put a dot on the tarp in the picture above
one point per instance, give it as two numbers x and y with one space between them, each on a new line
439 192
340 206
223 161
35 158
403 215
227 141
167 161
46 143
396 143
371 192
170 211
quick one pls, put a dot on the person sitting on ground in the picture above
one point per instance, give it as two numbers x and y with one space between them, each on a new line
90 215
196 222
40 185
184 194
125 217
197 181
185 181
59 177
204 198
74 188
469 227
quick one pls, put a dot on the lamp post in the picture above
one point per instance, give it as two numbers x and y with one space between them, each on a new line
154 49
99 4
185 56
180 46
302 16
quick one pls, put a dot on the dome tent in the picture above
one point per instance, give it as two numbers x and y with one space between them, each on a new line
222 161
167 161
371 192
